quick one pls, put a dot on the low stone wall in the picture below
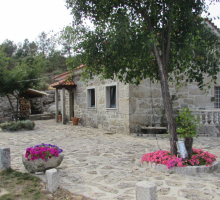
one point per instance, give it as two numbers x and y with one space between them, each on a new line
189 170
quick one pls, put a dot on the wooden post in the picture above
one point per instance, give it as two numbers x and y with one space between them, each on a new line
56 105
63 106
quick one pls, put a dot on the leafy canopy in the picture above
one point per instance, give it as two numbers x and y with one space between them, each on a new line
127 34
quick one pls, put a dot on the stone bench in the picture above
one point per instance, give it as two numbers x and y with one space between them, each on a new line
152 131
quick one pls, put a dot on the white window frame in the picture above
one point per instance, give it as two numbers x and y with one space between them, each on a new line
107 96
217 96
88 98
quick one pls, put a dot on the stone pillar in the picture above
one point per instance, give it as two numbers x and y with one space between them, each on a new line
146 190
63 106
70 105
5 158
56 105
52 180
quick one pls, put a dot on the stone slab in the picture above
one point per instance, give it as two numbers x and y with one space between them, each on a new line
52 180
5 158
146 190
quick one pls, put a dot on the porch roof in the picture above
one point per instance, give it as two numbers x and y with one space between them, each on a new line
64 83
33 93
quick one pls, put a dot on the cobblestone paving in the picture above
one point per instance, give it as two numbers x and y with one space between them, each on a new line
105 166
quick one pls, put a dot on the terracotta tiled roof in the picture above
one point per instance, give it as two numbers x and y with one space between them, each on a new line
212 24
67 73
60 75
63 82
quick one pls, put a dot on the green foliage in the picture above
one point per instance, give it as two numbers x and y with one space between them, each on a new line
14 126
128 34
59 112
28 124
187 123
43 86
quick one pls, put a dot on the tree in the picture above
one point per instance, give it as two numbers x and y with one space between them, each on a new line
43 43
160 39
22 76
67 39
8 47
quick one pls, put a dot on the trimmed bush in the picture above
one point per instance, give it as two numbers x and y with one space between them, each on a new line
14 126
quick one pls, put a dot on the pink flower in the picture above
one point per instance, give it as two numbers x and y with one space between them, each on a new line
164 157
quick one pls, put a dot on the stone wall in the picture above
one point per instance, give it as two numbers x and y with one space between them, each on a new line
5 108
145 110
108 119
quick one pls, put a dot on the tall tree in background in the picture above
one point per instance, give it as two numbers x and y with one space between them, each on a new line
43 43
23 75
160 39
67 40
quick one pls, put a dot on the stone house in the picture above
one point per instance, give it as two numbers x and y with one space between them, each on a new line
124 108
119 108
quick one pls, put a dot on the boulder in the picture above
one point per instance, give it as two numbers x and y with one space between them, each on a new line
40 165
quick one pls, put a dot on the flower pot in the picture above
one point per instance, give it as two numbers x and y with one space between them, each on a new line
40 165
75 120
60 118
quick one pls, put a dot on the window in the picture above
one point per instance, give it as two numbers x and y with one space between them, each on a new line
91 98
217 97
111 96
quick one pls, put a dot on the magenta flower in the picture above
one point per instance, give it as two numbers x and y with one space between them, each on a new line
43 151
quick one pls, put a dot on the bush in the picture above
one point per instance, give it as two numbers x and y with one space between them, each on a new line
28 124
14 126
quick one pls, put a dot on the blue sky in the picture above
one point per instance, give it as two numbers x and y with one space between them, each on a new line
21 19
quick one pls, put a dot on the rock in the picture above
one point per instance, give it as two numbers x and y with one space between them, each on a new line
40 165
195 185
195 194
173 183
5 158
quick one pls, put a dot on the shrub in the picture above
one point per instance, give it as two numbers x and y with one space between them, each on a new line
14 126
28 124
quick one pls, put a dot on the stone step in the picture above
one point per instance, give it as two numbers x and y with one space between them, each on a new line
44 116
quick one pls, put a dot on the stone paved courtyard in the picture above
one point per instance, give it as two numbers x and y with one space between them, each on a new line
105 166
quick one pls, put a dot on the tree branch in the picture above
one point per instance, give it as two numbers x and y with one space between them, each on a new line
168 37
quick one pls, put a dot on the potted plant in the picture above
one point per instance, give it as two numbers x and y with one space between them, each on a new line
187 125
59 116
42 157
75 120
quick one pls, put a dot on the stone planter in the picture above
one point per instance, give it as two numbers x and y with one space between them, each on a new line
75 120
40 165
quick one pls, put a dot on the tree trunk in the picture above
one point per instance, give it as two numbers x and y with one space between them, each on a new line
188 144
13 111
167 103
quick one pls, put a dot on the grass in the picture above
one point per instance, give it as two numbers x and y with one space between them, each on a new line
15 185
